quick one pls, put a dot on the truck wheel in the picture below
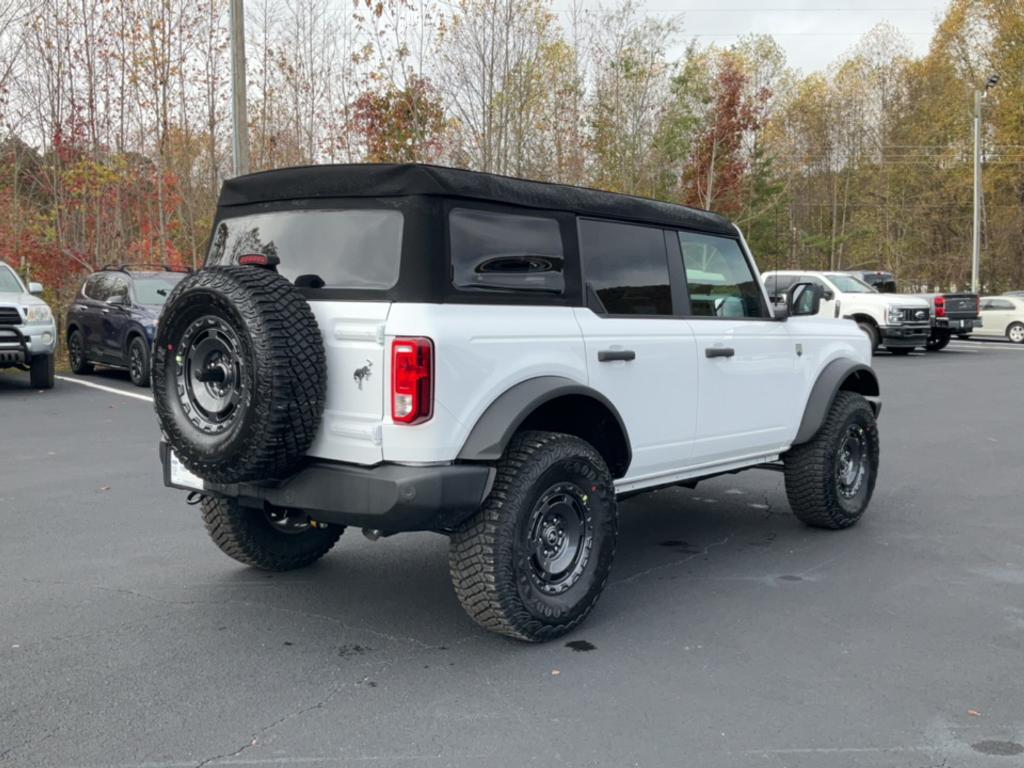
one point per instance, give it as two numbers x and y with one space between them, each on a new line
1015 333
239 374
871 332
76 354
272 539
936 343
138 362
829 481
535 558
41 372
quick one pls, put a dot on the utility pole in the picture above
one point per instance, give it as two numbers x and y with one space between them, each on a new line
239 117
979 95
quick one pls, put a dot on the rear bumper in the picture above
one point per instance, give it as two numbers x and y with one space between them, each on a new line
388 497
956 325
906 335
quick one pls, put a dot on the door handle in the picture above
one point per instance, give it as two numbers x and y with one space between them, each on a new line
719 352
611 355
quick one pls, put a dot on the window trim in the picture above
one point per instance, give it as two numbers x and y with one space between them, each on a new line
591 298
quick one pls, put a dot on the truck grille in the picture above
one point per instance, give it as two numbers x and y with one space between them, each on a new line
10 316
916 315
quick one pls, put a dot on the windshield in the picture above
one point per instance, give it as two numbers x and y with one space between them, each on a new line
849 283
9 282
358 249
153 291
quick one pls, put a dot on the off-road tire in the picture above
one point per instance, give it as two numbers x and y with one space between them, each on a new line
245 534
872 333
812 469
281 374
1015 333
138 371
901 351
489 557
76 354
936 344
41 372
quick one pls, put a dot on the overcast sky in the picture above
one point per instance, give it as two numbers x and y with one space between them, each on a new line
813 32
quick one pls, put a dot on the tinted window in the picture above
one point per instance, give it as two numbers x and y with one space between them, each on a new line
359 249
626 266
720 280
504 251
849 283
777 285
153 291
998 304
106 284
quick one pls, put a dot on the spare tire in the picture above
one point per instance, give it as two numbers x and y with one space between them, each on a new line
239 375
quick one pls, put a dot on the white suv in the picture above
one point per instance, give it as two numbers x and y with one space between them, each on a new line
409 348
900 323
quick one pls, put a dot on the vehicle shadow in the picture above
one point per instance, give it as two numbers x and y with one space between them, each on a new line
671 543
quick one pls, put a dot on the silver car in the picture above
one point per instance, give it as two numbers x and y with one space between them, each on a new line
28 334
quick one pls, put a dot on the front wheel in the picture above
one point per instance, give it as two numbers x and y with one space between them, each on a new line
829 480
271 539
41 373
76 354
1015 333
533 561
138 362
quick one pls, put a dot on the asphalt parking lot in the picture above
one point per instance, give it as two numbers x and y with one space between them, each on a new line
730 635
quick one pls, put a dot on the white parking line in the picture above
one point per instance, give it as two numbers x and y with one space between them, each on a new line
137 396
980 345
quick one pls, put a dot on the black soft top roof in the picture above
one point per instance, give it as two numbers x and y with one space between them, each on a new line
367 180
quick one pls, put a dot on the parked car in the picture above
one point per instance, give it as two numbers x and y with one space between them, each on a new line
1015 294
407 348
115 316
1003 316
952 313
28 332
898 322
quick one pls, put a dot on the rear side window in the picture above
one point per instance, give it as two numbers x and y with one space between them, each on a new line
997 304
720 280
492 250
103 285
626 266
355 249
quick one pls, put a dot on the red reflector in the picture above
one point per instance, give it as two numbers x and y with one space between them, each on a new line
940 306
254 259
412 380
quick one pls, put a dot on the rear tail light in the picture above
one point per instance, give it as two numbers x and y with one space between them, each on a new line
412 380
940 306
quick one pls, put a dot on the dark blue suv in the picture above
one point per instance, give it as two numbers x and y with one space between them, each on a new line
114 318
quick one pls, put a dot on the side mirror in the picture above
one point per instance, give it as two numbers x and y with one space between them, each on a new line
118 300
804 299
36 289
828 295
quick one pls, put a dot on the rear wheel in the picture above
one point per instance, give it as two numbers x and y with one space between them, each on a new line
272 539
76 354
1015 333
829 480
871 332
138 362
533 561
938 342
41 372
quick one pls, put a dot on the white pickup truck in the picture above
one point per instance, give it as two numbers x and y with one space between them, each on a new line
899 323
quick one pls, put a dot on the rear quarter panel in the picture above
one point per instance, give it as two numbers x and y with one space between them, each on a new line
480 351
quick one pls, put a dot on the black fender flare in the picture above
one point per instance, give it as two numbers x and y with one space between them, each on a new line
501 419
831 379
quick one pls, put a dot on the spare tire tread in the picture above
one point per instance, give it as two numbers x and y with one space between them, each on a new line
289 377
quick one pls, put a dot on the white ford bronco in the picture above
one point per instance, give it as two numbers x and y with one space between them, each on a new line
898 322
414 348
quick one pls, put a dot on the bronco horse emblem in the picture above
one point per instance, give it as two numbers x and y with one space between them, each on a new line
361 374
